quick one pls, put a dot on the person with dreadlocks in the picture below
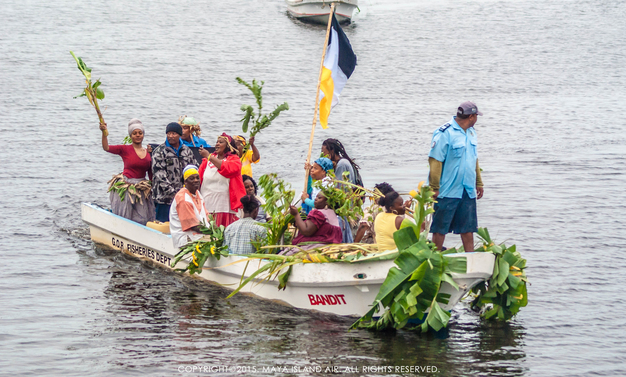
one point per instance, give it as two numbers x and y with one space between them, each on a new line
334 150
191 133
343 163
221 185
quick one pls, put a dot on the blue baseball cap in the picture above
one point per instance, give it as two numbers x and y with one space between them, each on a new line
468 108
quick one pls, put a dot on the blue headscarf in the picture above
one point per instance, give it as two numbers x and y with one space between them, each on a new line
325 163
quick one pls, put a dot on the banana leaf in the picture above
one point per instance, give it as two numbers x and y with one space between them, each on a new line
404 238
249 279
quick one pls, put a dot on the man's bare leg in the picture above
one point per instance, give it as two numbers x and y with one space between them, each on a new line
438 239
468 241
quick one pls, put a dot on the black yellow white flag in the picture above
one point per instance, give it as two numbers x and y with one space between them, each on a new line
339 64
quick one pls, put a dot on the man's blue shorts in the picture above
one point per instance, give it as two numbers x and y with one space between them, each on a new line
455 215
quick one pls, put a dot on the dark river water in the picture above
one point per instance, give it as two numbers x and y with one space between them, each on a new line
549 76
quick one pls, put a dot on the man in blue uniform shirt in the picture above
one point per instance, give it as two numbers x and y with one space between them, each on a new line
455 177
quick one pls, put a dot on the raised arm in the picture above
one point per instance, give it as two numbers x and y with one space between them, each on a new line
105 140
256 156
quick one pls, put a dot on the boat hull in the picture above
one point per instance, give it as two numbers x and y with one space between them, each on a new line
317 11
346 289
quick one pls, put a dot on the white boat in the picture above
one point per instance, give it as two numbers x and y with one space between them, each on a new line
317 11
346 289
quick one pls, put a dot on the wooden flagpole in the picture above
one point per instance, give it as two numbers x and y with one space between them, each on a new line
317 97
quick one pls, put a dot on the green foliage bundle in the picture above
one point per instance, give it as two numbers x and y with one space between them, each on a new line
343 197
137 192
278 196
92 91
505 292
276 263
210 245
423 206
259 120
412 289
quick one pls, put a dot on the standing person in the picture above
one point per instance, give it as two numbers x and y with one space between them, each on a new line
338 155
455 177
168 161
252 155
221 182
187 211
191 132
137 162
388 222
251 189
242 235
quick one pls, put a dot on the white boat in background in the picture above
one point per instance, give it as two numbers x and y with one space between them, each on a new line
340 288
317 11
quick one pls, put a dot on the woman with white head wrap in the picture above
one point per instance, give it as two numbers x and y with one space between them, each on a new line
129 190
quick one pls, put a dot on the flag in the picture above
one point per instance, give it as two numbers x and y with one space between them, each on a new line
339 64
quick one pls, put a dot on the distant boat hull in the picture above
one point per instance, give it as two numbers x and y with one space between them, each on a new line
316 11
346 289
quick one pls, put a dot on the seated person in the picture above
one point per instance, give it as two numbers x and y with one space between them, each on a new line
187 212
320 227
241 235
251 189
318 171
388 222
365 233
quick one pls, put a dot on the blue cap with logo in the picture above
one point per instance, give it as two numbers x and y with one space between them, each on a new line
468 108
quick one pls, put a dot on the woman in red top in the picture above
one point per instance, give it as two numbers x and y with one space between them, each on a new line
137 204
221 185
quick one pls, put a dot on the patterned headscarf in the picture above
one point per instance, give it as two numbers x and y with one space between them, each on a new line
229 143
325 163
241 139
